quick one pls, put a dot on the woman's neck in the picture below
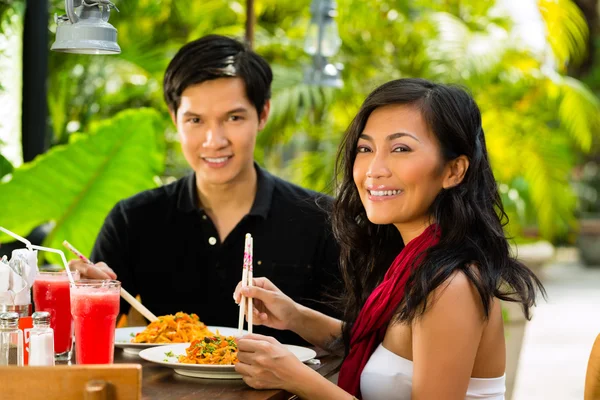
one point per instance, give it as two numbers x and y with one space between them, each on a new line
412 229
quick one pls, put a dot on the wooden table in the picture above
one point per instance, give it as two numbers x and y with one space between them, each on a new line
164 384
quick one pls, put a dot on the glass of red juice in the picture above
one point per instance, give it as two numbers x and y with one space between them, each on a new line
51 293
95 307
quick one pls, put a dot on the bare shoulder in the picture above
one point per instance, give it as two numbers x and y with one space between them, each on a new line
457 285
456 295
446 339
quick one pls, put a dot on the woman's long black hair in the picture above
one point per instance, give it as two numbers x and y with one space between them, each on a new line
470 215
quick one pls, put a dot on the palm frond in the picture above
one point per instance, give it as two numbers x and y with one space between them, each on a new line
519 146
578 109
553 199
460 54
292 102
566 30
313 170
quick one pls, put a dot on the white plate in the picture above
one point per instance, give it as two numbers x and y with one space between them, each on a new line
123 338
158 355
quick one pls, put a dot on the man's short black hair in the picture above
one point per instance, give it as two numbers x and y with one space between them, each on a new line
213 57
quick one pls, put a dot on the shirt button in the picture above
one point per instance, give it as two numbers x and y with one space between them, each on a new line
212 241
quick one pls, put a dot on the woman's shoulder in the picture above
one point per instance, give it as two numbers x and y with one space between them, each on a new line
458 294
457 281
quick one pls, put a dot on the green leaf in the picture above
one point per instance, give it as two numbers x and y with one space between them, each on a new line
579 111
76 185
314 170
292 102
458 53
5 166
566 30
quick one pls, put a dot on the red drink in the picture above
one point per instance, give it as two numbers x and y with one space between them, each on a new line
95 307
51 293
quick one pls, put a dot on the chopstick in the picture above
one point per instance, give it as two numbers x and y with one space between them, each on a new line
246 281
124 293
250 313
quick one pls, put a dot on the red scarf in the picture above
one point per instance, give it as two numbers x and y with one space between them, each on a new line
372 322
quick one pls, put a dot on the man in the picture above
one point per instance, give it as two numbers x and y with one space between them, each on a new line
180 247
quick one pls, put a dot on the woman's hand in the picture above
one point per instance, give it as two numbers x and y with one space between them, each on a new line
271 307
264 363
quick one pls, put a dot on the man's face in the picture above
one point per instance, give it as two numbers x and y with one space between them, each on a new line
217 127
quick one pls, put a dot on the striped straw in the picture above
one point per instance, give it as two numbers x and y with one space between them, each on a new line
76 252
124 293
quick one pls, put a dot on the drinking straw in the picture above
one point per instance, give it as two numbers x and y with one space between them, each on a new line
19 238
124 293
247 256
62 256
33 246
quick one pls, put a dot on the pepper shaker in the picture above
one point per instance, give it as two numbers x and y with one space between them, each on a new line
11 340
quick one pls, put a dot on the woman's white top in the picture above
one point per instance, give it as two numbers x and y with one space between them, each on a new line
389 376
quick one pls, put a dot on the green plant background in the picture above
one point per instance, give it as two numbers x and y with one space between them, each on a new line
112 136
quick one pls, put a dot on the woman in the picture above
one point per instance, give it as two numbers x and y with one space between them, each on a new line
424 258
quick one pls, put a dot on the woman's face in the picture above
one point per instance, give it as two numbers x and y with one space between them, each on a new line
398 169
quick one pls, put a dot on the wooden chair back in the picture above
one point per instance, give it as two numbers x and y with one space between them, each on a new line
88 382
592 376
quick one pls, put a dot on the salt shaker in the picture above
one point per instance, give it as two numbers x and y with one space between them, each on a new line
41 340
11 340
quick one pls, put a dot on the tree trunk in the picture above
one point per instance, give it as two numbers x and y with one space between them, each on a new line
35 71
250 23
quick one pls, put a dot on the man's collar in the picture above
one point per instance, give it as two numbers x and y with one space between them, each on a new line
265 183
187 198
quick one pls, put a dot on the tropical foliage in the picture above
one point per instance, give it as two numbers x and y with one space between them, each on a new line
537 120
76 185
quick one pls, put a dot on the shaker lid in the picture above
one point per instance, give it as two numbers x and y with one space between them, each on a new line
9 318
41 317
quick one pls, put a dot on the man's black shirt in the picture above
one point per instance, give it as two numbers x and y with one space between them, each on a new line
165 248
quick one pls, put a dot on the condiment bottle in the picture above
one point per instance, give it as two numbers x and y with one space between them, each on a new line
11 340
41 340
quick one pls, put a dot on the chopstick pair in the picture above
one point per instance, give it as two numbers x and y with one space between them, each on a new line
124 293
246 281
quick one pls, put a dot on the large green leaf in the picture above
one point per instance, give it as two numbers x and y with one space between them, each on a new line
5 166
76 185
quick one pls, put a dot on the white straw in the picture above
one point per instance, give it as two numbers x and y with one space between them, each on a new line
19 238
250 263
62 255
